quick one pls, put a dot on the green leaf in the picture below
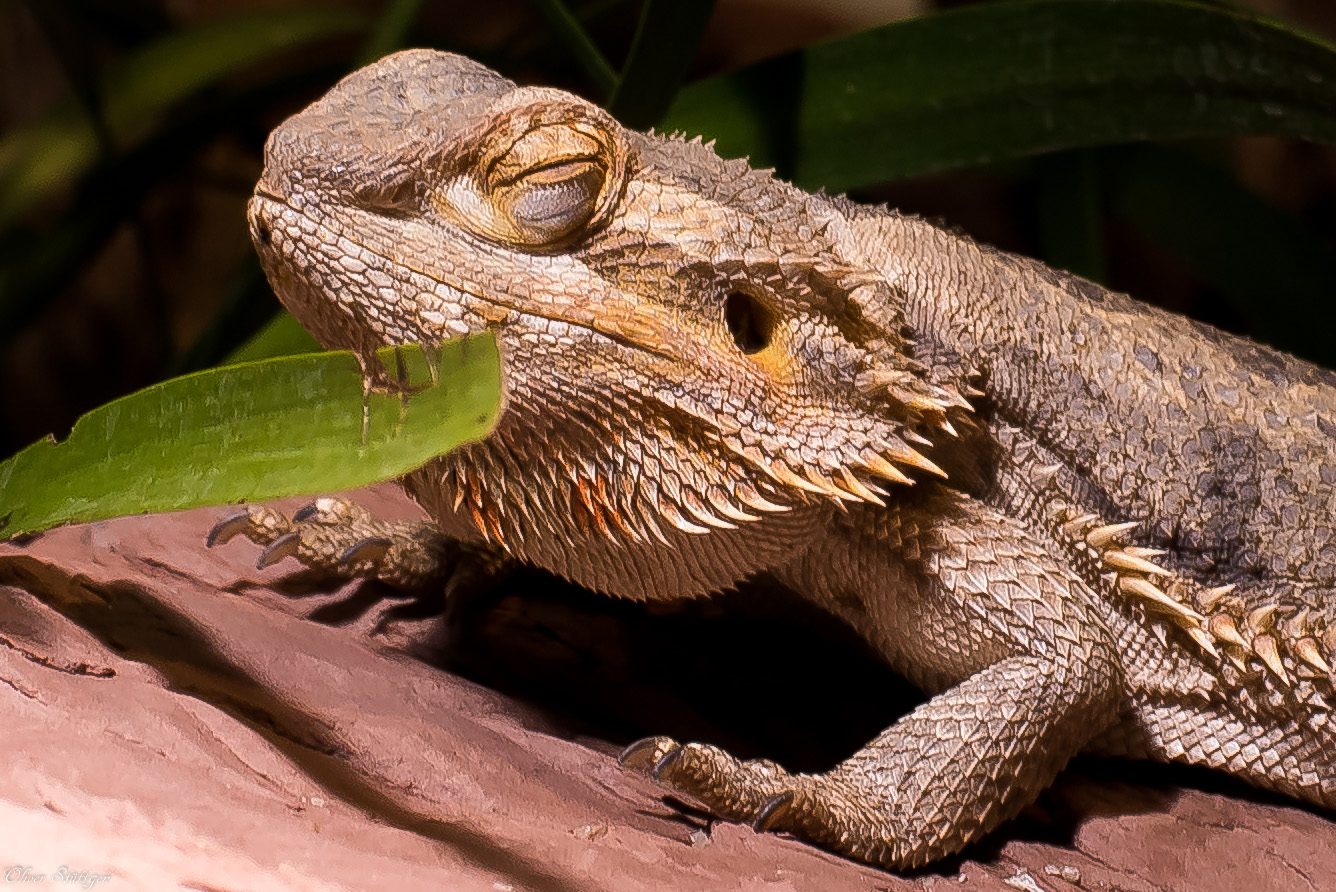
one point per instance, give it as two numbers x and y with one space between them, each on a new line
1000 81
573 35
37 265
55 151
667 37
255 431
283 336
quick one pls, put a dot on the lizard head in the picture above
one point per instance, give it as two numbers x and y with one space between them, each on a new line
687 343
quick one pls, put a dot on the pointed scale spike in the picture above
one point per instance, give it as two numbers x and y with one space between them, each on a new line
1299 625
884 468
696 509
1203 640
752 498
909 458
1121 560
880 491
674 516
957 399
784 474
751 453
1239 663
916 438
1268 651
1077 526
1135 585
652 525
1261 619
1209 598
1223 627
1160 635
926 404
721 503
881 379
627 525
1101 536
855 486
832 488
1308 651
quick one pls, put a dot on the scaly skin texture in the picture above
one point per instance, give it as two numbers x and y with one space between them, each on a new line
1080 523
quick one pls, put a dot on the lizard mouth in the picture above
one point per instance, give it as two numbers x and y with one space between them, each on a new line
313 265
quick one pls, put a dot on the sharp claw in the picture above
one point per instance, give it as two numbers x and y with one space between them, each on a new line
372 550
665 764
643 753
306 512
633 756
284 546
224 530
773 812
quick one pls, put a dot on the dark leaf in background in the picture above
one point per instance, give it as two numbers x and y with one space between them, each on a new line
45 157
999 81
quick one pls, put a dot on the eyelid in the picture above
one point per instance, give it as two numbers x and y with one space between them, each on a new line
548 182
542 148
560 169
542 175
554 200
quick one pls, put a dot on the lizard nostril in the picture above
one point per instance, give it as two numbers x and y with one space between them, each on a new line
262 233
749 321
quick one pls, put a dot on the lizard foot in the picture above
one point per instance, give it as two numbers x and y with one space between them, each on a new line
849 810
729 787
340 539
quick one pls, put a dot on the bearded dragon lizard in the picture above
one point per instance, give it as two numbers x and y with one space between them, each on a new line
1080 523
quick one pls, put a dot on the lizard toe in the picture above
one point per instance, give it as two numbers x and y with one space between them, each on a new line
331 511
287 545
730 788
686 767
646 753
228 528
306 512
775 814
371 551
258 523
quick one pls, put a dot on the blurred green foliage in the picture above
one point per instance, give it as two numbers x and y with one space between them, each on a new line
1078 100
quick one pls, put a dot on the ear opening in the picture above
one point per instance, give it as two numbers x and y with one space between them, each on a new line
749 321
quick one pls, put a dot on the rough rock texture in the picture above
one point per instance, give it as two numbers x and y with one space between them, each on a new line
176 719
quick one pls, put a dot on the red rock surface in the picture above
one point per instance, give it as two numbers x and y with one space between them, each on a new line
174 718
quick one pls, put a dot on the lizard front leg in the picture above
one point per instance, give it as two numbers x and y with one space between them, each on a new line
965 601
340 539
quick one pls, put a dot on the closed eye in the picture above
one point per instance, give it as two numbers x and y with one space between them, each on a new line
553 201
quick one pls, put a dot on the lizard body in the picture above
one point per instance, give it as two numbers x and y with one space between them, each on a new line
1080 523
